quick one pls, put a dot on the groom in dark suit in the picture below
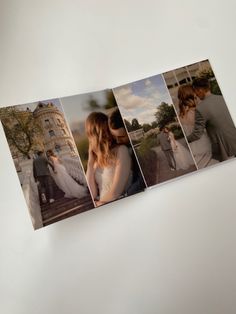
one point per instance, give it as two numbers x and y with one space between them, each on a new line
43 177
212 114
167 148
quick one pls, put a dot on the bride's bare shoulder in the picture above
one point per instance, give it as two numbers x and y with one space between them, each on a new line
123 151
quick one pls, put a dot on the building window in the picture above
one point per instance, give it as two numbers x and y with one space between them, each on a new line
47 122
51 133
57 148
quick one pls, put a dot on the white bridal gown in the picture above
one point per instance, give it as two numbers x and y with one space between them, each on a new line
182 155
104 179
201 148
66 183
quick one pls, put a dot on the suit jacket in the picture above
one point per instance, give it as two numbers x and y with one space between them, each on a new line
164 141
212 114
40 167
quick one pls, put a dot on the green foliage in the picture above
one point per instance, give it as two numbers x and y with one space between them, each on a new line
83 147
148 159
208 73
176 130
135 142
146 127
22 132
110 100
128 125
215 89
165 114
135 125
147 143
154 124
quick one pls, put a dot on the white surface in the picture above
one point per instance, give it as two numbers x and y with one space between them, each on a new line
170 250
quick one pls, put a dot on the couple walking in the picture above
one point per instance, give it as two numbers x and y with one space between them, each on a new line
177 156
207 123
112 170
44 178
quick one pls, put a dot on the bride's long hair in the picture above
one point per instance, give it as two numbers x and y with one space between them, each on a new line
100 138
187 99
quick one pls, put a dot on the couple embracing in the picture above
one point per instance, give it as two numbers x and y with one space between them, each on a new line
58 175
207 123
177 156
112 171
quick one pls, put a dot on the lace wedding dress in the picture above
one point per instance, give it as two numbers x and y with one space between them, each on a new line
65 182
104 178
182 155
201 148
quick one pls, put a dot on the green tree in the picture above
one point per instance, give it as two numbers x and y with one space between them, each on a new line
135 124
146 127
165 114
208 73
92 104
128 125
110 100
22 132
154 124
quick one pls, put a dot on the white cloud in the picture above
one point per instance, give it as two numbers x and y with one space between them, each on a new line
142 108
147 116
129 101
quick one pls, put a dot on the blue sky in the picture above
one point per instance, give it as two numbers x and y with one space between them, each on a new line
141 99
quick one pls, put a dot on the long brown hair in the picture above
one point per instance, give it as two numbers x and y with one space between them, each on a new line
186 98
100 138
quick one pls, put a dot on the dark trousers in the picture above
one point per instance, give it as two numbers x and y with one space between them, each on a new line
170 158
46 186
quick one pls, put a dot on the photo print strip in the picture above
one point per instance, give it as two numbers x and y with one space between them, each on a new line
203 113
79 152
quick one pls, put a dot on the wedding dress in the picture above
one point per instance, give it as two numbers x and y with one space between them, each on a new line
104 179
182 155
201 148
65 182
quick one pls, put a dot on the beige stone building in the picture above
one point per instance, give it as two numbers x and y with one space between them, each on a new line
56 134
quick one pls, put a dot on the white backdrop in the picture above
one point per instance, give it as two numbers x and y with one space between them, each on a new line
170 250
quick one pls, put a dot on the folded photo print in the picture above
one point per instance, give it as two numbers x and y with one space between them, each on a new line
75 153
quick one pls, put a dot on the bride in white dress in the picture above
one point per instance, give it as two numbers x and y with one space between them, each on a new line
109 169
201 148
63 180
182 155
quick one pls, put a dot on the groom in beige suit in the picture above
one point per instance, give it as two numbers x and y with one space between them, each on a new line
212 114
